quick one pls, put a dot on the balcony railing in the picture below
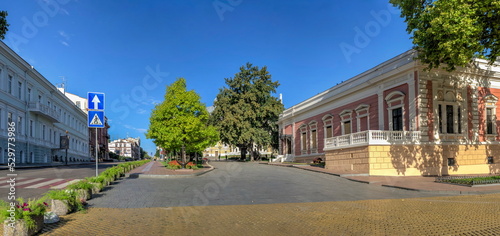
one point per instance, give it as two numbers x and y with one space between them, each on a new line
373 137
45 111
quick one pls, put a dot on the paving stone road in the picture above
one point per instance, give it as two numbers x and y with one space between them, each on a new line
252 199
236 183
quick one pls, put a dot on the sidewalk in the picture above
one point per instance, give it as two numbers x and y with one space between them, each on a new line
156 169
416 183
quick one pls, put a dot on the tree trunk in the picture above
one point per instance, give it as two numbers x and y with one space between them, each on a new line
252 155
183 156
243 150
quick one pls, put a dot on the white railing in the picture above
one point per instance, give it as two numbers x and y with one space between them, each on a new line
371 137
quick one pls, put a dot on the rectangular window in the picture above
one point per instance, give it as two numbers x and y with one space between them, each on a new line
449 120
459 117
489 120
491 160
9 117
43 132
440 118
19 125
397 119
31 128
304 141
329 131
347 127
313 139
20 90
29 95
451 161
9 89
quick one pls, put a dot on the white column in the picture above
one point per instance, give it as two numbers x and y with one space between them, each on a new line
412 101
380 108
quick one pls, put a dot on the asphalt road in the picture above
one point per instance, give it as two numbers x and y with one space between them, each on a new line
234 183
34 182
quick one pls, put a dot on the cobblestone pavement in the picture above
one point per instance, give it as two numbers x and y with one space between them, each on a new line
459 215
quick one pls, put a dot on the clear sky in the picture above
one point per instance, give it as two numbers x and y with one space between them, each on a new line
131 50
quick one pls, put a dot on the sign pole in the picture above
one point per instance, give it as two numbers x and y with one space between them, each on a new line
96 157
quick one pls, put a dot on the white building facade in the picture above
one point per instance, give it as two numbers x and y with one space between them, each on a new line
41 114
130 147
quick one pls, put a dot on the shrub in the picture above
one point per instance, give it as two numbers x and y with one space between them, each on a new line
174 165
317 160
191 165
82 184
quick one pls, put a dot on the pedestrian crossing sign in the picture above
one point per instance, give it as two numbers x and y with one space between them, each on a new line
96 119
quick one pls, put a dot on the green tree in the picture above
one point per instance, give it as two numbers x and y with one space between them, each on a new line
180 122
452 32
246 112
4 26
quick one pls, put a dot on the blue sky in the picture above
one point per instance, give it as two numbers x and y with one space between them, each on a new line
131 50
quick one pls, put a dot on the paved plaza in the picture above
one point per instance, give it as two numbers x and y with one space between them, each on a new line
255 199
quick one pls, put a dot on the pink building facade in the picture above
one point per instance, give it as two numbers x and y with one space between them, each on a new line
399 119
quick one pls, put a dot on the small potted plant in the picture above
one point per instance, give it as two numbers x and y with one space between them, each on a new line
99 182
63 201
23 218
83 189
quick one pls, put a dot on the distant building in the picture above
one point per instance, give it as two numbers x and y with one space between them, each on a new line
129 147
229 150
102 133
40 113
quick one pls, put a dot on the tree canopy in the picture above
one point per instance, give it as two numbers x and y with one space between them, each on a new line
246 112
3 24
180 122
452 32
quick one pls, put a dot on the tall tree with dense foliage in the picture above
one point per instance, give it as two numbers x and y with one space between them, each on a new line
3 24
180 122
246 112
452 32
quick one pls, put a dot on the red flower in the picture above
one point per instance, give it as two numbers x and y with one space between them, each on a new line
26 209
44 203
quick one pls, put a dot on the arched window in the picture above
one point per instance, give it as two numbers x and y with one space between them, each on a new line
345 119
363 117
328 125
395 110
313 133
303 138
490 102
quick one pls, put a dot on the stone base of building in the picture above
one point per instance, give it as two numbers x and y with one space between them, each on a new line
416 160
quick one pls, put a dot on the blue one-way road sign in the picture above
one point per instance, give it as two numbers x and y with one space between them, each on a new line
96 119
95 101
